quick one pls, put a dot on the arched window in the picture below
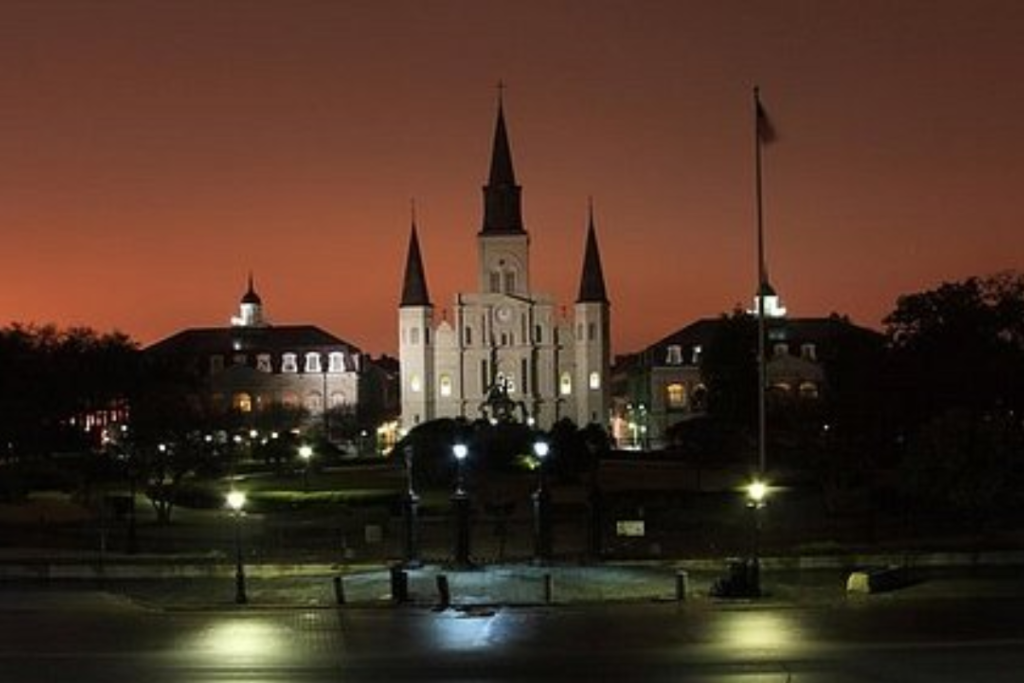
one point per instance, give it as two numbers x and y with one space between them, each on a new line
289 363
416 384
446 385
314 401
595 380
337 361
565 384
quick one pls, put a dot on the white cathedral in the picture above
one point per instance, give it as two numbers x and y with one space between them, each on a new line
506 345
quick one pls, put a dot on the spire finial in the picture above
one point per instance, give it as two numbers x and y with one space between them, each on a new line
412 210
501 92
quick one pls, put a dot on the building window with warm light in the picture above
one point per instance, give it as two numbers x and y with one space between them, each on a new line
445 385
312 362
290 399
289 362
416 384
565 384
595 380
242 403
263 362
808 390
675 396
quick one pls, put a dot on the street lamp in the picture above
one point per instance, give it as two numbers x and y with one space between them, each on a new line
460 506
236 502
412 500
306 453
757 497
541 507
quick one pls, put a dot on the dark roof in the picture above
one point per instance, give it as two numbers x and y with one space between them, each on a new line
795 331
227 340
414 285
502 197
592 288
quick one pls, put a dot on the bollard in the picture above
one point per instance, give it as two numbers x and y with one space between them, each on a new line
339 591
549 589
399 585
444 596
682 585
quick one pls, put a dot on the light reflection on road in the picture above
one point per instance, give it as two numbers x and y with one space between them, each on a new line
233 639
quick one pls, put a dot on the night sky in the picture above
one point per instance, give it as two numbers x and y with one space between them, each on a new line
153 153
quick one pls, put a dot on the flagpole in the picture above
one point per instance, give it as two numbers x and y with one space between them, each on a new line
762 370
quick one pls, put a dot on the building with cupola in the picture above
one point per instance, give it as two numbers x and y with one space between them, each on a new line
505 337
251 365
665 384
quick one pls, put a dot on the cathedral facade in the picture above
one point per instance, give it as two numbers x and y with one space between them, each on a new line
506 344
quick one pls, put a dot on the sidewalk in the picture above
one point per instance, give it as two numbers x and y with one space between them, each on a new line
322 586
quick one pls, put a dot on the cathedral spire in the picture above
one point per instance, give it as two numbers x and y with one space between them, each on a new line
414 287
592 289
502 202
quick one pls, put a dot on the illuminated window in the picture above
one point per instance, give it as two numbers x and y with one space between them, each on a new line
696 354
446 385
675 396
674 355
242 403
263 362
290 399
808 390
289 363
312 362
565 384
337 361
416 384
595 380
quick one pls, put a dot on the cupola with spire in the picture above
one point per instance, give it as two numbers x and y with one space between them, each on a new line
250 312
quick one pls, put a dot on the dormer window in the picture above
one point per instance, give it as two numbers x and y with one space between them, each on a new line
289 363
781 350
313 362
809 352
674 355
337 362
263 362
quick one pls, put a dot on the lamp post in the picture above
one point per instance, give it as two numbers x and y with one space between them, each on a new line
412 552
541 508
757 495
306 453
460 507
236 502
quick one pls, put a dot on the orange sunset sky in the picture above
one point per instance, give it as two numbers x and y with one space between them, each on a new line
152 153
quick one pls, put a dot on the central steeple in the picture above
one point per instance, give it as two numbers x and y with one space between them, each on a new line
502 197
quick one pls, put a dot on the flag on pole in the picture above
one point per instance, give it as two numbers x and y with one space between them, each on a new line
765 130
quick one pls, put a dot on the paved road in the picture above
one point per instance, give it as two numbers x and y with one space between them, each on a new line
93 638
